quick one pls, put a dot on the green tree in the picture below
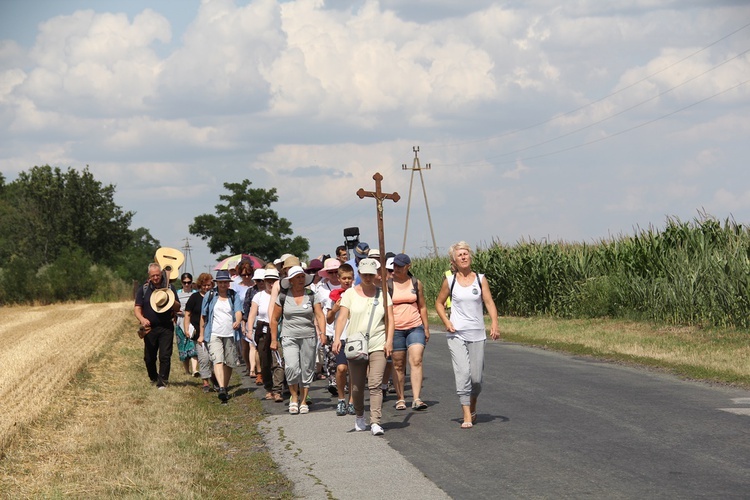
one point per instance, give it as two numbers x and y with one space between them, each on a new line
246 223
132 262
47 210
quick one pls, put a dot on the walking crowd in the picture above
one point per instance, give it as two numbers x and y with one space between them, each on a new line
290 324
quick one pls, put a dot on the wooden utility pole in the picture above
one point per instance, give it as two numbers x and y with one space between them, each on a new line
379 196
416 167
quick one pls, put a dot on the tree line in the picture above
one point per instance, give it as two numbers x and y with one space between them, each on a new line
65 238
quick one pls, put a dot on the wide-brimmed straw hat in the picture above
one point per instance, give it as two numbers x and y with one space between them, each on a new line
162 300
294 271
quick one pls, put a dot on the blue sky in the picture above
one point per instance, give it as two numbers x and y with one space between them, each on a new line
541 119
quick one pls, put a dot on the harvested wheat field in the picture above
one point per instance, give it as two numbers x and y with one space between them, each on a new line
81 419
43 348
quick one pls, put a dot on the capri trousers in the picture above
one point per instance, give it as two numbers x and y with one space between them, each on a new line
299 360
468 365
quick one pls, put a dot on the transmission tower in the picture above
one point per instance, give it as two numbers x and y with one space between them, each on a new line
187 250
416 167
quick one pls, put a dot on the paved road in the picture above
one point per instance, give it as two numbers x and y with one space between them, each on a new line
549 426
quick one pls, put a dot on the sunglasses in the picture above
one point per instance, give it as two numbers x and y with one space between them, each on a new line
245 275
187 282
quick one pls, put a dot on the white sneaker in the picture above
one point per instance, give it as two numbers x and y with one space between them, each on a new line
377 430
360 424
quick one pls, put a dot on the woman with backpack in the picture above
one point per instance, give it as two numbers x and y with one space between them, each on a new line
412 331
300 310
221 316
466 336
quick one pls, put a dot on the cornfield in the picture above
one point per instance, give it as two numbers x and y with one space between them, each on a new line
690 273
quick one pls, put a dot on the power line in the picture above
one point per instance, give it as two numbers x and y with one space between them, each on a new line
643 124
595 101
602 120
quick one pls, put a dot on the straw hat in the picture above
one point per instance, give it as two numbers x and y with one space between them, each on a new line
162 300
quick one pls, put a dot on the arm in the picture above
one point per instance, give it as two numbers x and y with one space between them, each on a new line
139 316
331 315
491 309
251 321
237 312
203 329
423 312
341 320
440 306
321 322
274 318
186 322
272 303
390 331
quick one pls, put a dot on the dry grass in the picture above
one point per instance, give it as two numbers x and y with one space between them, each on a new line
43 348
716 355
109 433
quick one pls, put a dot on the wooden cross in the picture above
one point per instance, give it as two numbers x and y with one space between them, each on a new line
379 196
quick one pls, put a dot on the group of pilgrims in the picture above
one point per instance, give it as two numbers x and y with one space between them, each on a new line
288 324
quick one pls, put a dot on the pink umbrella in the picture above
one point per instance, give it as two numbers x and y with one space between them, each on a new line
232 261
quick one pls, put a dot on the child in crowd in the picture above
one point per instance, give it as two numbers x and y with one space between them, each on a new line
331 310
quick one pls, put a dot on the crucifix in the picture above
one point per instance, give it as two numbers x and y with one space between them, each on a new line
379 196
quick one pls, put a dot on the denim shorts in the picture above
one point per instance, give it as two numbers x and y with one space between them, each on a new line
403 339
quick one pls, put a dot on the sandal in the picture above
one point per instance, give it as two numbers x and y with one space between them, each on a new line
467 425
474 418
293 408
401 404
269 396
277 397
303 408
418 404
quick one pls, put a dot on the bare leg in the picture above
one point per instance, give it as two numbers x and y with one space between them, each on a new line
219 371
250 361
399 373
416 351
341 373
294 390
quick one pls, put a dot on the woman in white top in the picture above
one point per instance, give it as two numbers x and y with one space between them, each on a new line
468 291
259 329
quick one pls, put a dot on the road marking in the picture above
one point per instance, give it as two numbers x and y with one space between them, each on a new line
741 401
737 411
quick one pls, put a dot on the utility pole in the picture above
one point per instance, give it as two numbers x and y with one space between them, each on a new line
187 251
416 167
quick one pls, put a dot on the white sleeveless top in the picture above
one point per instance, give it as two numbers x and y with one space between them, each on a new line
467 314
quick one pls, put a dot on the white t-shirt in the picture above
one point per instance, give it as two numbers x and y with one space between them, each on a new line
467 314
263 300
221 325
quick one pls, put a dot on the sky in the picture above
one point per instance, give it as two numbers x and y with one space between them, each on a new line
541 120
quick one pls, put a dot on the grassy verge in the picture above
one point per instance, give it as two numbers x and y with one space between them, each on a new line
109 433
712 355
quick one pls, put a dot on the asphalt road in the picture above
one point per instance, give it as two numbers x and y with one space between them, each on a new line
549 426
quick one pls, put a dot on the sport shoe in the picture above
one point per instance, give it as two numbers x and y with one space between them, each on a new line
223 396
352 411
333 389
377 430
360 424
341 409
